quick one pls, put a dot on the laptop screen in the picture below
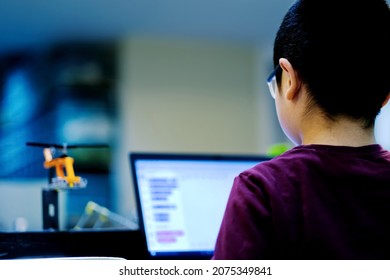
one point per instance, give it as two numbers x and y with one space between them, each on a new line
182 198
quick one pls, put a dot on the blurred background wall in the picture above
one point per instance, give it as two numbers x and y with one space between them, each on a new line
138 75
190 96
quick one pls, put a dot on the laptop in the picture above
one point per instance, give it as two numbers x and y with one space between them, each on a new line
181 199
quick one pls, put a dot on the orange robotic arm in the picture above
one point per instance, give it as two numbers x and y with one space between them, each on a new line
60 164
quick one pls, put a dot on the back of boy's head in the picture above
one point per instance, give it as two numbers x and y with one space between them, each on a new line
341 50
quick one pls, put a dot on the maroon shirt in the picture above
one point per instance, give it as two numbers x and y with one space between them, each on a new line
312 202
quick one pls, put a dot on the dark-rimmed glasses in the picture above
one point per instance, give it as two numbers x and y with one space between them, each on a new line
271 81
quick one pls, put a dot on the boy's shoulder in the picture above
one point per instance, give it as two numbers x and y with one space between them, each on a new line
303 167
289 158
305 158
323 153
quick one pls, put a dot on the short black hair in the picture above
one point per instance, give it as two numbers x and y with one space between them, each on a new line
341 50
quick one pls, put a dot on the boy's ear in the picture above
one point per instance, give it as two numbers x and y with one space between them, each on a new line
292 80
386 100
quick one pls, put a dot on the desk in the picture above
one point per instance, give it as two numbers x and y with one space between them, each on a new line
106 243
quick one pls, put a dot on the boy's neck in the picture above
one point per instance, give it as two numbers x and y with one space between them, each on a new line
342 132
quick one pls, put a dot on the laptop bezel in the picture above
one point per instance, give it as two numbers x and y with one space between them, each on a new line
135 156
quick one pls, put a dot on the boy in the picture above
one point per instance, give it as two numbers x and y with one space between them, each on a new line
329 197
